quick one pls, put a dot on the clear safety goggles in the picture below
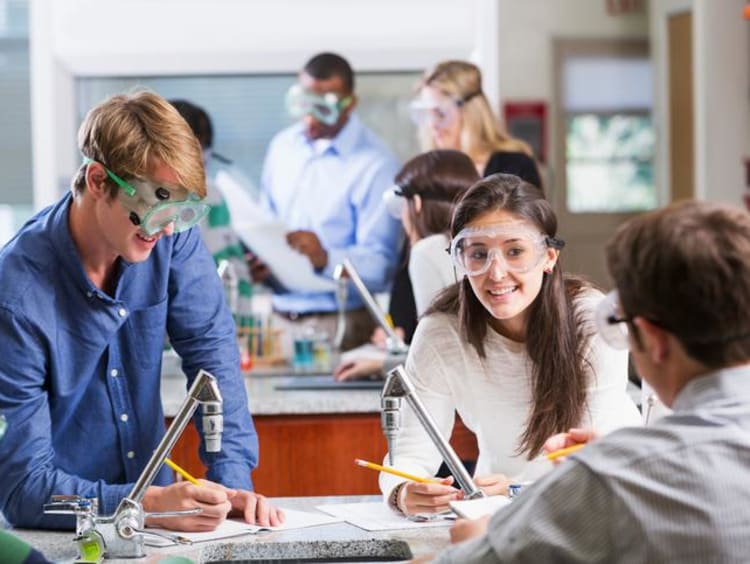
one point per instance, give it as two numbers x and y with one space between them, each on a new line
153 207
325 108
610 323
396 196
516 249
428 109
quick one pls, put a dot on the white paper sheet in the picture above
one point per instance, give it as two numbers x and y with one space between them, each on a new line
294 270
233 528
242 206
476 508
376 516
368 351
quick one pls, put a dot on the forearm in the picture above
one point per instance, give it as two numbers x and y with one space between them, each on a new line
23 508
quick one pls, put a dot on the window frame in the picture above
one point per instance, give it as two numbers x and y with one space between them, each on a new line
581 48
642 112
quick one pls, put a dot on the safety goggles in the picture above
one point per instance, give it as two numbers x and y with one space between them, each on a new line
325 108
396 196
614 326
153 207
610 322
436 108
516 248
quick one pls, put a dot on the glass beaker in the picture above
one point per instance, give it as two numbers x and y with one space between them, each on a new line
322 352
304 342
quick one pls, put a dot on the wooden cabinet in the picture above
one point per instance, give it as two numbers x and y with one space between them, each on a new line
311 455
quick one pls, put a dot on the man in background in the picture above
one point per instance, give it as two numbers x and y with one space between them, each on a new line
324 177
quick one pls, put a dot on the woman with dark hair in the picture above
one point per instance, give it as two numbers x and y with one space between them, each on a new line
425 192
512 348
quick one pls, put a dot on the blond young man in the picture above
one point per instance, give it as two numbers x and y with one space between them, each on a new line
675 491
88 289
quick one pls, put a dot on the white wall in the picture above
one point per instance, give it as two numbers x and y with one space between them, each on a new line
512 40
721 82
722 98
127 37
527 30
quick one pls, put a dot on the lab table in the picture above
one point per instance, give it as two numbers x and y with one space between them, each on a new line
337 542
308 438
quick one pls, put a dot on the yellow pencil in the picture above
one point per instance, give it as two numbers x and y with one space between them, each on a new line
389 320
565 451
378 467
182 472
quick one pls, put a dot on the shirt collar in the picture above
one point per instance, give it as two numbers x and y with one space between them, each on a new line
725 383
62 241
346 140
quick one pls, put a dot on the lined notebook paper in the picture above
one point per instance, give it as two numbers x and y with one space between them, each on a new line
376 516
476 508
234 528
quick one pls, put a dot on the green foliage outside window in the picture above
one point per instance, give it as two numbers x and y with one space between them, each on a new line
610 163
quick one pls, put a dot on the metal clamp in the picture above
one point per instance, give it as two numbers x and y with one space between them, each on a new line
121 535
397 386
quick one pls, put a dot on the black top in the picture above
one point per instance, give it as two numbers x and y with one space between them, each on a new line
518 164
402 307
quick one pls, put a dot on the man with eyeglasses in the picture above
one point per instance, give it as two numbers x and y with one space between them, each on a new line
675 491
89 288
324 177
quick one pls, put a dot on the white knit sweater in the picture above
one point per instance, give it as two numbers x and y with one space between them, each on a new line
493 396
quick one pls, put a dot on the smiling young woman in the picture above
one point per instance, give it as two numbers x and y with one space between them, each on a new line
512 348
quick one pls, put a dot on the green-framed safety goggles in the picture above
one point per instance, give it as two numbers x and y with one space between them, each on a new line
153 207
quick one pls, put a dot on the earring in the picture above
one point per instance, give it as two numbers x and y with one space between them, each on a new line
548 270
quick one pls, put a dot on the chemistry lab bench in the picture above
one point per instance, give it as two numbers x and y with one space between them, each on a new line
337 542
308 438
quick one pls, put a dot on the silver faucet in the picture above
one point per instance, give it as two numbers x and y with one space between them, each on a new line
121 535
398 386
344 272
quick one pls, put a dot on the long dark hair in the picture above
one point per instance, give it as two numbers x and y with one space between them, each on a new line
555 336
440 177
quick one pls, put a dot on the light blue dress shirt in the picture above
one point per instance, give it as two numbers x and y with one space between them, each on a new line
336 192
80 370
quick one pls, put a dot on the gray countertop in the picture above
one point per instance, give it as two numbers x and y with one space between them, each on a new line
264 399
335 540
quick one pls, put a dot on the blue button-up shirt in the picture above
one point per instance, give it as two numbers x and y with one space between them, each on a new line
80 370
338 194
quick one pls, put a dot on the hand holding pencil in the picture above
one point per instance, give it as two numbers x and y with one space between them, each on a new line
419 494
559 446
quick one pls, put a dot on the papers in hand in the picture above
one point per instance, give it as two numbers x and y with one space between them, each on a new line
476 508
242 206
292 269
232 528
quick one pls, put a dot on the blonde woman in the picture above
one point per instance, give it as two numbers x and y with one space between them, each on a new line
452 112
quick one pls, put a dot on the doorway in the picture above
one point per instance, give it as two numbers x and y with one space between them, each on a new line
605 142
681 122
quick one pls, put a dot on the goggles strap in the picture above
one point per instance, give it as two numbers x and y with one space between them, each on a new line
461 101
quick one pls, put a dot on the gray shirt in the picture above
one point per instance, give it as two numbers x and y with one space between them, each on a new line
674 492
